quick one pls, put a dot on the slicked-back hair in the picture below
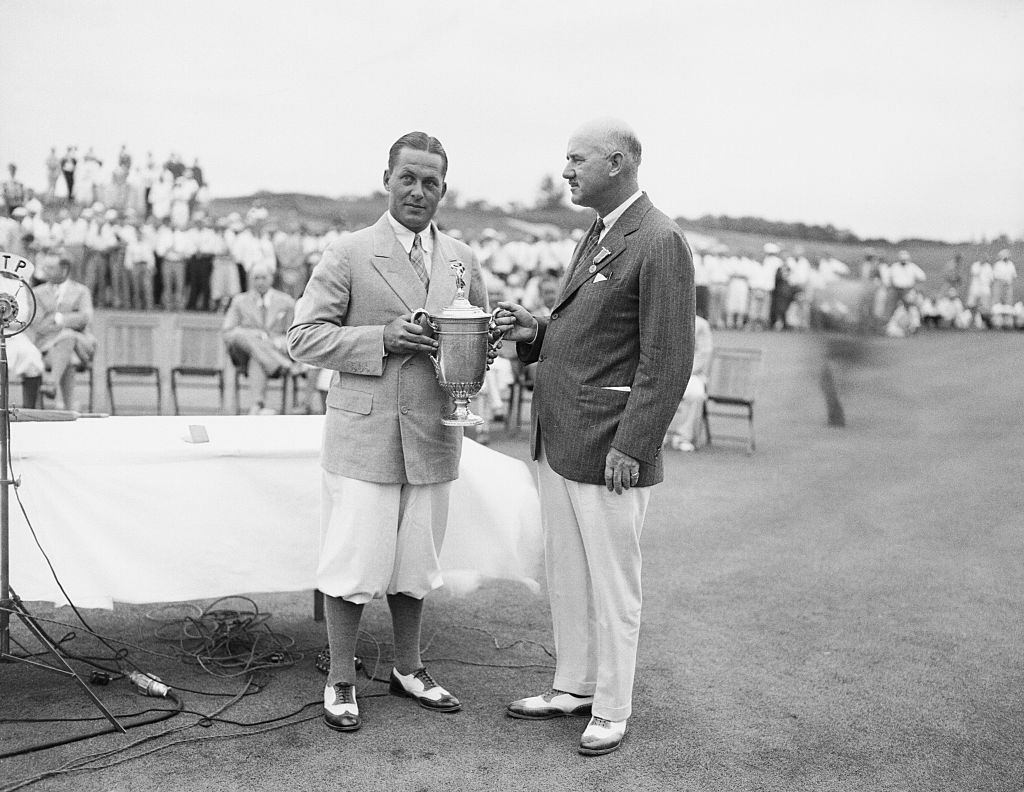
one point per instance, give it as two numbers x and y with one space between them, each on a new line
419 141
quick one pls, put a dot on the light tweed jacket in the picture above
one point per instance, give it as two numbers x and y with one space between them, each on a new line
624 319
383 412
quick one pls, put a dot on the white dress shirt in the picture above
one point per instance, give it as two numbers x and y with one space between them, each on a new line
610 218
406 237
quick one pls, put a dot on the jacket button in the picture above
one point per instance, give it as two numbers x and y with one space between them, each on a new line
554 316
405 411
540 359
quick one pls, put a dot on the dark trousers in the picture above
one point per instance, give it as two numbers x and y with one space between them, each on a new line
197 276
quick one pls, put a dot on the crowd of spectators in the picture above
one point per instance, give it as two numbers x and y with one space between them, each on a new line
781 290
140 236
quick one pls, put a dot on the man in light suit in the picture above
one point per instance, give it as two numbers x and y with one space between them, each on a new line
388 463
613 360
255 330
61 329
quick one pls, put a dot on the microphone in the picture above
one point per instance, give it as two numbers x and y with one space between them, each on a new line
149 684
8 309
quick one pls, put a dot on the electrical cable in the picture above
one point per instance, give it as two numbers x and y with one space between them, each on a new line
81 764
166 714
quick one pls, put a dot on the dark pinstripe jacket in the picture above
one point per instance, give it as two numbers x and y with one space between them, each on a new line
632 327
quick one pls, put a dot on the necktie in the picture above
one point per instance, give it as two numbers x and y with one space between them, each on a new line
589 245
263 313
417 260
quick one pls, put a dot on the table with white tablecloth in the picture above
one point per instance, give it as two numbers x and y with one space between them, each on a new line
165 509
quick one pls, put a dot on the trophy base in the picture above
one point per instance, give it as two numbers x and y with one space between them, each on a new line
461 416
469 420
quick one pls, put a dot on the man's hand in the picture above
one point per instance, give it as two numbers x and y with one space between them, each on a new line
516 323
621 471
402 336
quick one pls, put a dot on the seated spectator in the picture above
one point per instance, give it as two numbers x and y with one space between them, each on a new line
906 319
61 329
948 307
929 312
682 432
255 329
25 362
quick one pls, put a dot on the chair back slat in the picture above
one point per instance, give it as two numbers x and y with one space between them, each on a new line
734 373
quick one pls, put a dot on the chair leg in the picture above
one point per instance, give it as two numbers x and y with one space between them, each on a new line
110 394
750 420
706 421
174 394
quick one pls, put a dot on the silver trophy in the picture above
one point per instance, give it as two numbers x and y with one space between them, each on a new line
464 335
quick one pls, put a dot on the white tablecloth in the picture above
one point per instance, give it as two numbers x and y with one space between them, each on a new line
127 510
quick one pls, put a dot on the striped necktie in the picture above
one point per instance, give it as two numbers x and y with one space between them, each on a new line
587 248
417 260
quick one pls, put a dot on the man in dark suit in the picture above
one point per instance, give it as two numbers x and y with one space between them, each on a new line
613 361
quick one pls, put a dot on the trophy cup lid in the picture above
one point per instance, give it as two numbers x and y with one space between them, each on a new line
460 307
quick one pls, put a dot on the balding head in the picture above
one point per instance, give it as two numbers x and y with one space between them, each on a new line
613 135
601 164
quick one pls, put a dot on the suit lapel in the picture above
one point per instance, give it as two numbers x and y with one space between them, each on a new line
392 262
614 243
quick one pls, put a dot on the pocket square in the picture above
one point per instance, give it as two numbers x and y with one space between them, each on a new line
599 277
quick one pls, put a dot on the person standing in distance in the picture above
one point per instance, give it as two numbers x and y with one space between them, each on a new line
613 360
387 461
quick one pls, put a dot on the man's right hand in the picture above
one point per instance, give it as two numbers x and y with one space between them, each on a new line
515 322
403 336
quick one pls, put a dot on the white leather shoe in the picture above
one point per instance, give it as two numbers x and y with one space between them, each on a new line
341 712
602 736
553 704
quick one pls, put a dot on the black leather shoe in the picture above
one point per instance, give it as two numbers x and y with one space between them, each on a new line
422 687
341 712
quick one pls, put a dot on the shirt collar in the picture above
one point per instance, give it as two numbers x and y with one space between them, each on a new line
618 211
405 236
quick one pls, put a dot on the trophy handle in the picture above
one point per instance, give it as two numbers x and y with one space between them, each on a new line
494 333
428 327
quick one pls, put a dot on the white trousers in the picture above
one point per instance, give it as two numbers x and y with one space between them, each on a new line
378 539
592 554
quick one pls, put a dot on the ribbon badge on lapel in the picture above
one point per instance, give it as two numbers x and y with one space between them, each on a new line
602 254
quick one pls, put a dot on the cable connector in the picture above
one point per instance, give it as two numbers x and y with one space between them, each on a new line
149 684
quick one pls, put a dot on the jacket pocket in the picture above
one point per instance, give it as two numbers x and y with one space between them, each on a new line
350 400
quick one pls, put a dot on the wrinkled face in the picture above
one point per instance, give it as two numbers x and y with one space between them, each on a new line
587 169
415 186
261 281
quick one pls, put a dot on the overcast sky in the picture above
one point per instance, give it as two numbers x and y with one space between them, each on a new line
896 118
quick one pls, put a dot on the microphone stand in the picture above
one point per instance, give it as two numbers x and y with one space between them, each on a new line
10 603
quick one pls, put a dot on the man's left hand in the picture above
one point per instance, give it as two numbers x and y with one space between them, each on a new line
621 471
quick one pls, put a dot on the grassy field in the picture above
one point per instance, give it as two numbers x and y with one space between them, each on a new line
841 610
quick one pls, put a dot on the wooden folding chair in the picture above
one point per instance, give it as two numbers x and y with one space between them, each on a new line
731 384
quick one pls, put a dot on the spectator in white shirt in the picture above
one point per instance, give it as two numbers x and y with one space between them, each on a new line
140 261
762 283
979 292
1004 273
903 276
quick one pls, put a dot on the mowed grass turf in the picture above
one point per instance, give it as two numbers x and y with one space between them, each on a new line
839 611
